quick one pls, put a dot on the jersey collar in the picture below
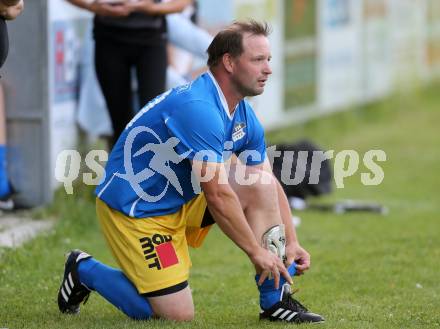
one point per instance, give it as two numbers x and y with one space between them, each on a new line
221 95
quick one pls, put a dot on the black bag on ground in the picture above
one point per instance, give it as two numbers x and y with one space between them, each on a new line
298 164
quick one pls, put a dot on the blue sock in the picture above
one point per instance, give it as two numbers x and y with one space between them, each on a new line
268 294
5 188
114 286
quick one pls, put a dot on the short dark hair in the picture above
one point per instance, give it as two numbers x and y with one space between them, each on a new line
230 39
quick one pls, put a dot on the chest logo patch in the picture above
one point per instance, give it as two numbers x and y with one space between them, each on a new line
238 131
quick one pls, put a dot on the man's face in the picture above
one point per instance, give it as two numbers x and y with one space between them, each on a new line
251 68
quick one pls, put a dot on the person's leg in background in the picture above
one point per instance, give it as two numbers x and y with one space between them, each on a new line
151 66
186 35
5 187
112 63
187 39
93 116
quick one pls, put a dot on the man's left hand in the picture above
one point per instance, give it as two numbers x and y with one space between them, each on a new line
296 253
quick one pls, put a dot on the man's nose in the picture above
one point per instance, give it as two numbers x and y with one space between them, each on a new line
267 69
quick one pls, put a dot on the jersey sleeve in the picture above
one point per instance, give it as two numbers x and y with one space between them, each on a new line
200 131
254 150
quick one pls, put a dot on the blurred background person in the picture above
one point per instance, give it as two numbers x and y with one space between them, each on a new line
187 54
129 34
187 44
6 190
9 9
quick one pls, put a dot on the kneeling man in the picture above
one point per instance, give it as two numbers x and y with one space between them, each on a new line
177 168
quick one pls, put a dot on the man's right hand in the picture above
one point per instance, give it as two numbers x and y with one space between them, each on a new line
106 9
267 262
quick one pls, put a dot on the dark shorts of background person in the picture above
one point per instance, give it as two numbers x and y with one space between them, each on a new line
4 42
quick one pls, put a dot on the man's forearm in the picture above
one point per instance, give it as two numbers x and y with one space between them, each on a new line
229 216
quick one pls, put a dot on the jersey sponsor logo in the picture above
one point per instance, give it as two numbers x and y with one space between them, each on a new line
238 131
159 251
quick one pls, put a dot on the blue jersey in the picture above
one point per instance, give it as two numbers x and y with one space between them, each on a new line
149 171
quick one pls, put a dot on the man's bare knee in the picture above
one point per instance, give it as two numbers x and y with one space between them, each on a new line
182 316
178 315
177 306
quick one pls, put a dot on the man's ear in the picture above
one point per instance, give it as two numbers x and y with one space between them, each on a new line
228 62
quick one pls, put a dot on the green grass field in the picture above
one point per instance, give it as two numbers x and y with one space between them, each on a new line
368 270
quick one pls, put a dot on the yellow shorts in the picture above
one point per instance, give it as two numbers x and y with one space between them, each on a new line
153 252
